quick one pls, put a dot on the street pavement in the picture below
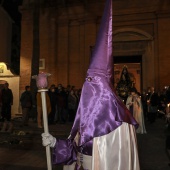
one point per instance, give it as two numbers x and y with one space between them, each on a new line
23 150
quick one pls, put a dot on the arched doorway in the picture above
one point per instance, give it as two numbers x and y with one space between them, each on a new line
133 46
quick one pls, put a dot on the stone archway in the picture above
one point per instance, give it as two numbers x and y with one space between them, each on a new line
131 34
135 42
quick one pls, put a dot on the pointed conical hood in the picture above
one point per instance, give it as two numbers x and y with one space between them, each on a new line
100 111
102 60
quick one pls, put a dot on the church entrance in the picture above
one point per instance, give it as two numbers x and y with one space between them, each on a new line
134 67
136 49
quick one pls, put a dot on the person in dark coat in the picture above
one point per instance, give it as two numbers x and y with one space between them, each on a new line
7 102
152 101
72 105
61 105
26 103
53 100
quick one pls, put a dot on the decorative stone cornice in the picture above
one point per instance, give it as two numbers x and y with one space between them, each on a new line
131 34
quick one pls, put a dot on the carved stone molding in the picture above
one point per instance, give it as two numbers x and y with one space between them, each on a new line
130 34
129 46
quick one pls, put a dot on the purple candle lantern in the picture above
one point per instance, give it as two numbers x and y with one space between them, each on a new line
41 80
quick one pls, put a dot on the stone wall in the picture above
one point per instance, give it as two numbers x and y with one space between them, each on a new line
26 48
67 33
164 50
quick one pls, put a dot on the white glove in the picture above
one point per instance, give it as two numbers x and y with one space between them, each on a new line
48 139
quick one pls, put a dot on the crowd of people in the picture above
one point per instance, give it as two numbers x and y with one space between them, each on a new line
155 104
148 106
62 103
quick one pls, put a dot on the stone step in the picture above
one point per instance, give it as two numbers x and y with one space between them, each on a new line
28 137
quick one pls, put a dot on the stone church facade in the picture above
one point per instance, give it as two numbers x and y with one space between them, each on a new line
68 32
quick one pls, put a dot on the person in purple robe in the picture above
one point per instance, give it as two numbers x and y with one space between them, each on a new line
103 134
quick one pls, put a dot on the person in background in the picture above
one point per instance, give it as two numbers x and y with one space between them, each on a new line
53 100
72 105
26 104
152 102
162 103
167 94
39 108
79 95
7 102
144 103
134 105
61 105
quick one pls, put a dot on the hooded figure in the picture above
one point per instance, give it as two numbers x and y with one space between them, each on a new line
103 134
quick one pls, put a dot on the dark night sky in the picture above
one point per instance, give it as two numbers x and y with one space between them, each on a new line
11 6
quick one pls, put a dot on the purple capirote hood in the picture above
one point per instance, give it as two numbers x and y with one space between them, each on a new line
100 111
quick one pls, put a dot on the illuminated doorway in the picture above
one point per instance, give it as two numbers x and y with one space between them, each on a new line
134 66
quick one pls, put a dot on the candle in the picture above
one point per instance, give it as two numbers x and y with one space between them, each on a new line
42 84
41 80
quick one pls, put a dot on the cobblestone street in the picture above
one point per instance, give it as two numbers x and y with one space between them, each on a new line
23 150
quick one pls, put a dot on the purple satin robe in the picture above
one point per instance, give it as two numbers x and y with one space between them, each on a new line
100 112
